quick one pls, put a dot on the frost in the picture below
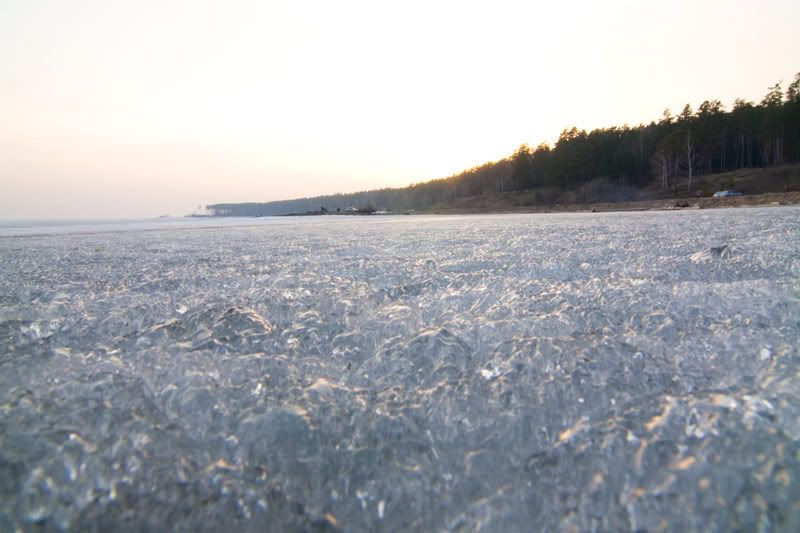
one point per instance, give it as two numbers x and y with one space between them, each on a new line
765 353
490 373
604 371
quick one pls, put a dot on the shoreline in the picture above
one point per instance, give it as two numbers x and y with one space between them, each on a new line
771 199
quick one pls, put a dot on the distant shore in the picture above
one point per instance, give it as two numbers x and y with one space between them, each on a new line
774 199
503 205
777 185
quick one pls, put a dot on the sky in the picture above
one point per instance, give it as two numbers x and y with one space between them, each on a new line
118 109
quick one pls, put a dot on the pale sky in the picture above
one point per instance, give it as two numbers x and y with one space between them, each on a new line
132 109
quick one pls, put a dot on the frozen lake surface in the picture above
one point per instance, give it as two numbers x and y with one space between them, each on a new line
628 371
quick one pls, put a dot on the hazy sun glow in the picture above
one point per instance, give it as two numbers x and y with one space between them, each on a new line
124 109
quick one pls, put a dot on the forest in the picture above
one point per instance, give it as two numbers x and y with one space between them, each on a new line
663 154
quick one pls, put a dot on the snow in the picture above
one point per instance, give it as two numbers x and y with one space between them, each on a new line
573 371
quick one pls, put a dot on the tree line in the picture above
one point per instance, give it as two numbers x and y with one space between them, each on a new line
675 148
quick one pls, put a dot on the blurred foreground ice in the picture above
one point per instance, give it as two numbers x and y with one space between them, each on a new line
579 372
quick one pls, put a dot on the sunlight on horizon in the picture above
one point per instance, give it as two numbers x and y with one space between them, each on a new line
147 108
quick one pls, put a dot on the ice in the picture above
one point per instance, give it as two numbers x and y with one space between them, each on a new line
628 371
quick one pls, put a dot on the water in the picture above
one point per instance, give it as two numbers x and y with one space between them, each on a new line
629 371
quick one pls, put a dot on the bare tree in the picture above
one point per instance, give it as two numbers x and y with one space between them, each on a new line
661 164
690 159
